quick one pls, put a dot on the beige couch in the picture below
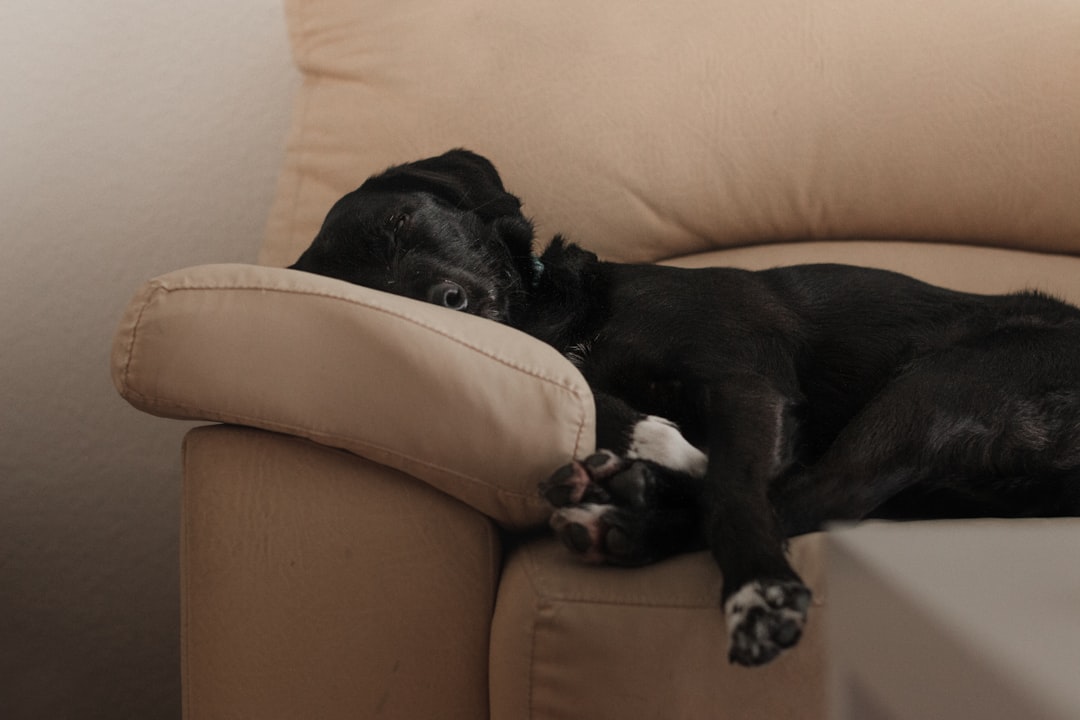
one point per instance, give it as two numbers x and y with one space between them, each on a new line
362 536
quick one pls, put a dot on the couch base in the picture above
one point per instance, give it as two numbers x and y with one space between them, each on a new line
316 584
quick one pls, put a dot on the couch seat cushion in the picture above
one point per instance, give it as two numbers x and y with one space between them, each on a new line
571 640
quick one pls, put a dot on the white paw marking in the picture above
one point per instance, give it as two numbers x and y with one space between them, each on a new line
760 615
738 606
660 441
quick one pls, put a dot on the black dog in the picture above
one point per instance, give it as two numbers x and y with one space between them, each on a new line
818 392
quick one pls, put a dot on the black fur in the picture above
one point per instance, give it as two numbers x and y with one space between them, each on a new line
819 392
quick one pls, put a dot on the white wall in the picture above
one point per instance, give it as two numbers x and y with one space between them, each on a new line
135 138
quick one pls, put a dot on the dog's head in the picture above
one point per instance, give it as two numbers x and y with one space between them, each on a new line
443 230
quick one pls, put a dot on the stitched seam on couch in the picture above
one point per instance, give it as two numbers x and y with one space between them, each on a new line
581 400
386 311
347 440
709 606
344 442
532 572
129 352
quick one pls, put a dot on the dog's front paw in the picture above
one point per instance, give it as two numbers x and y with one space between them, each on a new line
764 617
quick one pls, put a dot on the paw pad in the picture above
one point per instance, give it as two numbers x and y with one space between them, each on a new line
592 500
765 617
621 511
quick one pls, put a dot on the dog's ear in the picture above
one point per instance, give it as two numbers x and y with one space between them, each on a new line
460 178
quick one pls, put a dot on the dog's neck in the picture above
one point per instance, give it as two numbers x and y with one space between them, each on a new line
563 305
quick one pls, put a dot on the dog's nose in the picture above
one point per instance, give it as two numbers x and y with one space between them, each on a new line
449 295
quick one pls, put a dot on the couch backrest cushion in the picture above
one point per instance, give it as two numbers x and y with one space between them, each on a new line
652 130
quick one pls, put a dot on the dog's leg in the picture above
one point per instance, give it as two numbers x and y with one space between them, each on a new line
960 443
628 433
884 450
751 427
633 501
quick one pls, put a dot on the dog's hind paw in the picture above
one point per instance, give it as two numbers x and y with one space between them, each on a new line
765 617
623 511
604 509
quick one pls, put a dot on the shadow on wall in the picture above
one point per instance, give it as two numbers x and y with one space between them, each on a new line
137 139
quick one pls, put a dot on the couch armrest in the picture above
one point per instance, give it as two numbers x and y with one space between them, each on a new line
476 409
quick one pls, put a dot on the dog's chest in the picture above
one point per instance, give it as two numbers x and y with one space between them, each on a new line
638 374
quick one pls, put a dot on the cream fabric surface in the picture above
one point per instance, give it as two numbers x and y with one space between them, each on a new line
653 130
575 641
476 409
960 267
319 585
